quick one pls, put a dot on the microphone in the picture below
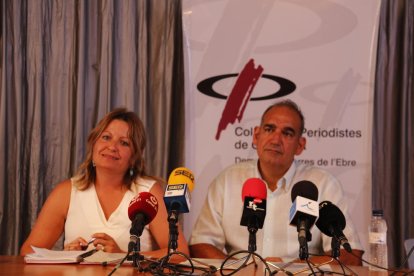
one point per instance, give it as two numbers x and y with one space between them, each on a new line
177 200
254 194
331 222
304 212
141 210
177 192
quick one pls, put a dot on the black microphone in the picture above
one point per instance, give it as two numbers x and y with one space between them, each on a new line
331 222
303 213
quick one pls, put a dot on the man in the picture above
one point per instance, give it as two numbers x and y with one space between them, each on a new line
278 140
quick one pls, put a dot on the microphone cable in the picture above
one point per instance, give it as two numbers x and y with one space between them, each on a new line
341 264
163 267
231 260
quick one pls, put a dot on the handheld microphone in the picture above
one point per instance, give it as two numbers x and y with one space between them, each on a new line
141 210
177 192
331 222
304 212
254 194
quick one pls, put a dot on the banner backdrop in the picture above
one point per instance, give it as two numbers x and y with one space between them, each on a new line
243 55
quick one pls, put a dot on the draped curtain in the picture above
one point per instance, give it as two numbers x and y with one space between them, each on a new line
393 130
63 65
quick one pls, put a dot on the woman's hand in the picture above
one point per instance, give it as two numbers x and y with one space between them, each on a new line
77 244
105 243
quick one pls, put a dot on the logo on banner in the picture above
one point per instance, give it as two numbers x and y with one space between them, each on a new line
241 93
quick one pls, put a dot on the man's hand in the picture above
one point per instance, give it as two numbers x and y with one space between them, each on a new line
348 258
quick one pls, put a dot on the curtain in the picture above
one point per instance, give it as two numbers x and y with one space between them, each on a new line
63 65
393 130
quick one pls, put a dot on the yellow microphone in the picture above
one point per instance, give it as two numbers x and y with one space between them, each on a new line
177 193
182 175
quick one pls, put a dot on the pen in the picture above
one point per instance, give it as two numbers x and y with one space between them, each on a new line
86 254
85 246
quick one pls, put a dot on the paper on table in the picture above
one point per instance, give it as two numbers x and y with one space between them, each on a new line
46 256
101 257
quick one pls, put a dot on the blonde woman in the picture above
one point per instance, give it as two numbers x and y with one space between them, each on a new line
93 205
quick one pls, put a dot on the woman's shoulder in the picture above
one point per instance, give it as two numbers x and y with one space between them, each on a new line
63 187
144 184
59 197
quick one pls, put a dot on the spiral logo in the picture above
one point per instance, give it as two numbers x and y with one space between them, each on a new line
241 93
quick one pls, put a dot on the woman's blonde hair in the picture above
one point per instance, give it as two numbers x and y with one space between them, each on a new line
87 174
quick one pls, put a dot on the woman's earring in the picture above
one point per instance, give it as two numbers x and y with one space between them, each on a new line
93 164
131 172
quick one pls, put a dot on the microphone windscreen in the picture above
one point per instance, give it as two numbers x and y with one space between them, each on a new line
305 189
254 187
329 215
145 203
182 176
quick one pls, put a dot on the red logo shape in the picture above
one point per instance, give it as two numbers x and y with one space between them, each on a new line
239 96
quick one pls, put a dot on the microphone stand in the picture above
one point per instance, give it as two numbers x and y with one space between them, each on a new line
173 230
335 245
336 252
252 239
172 250
304 236
136 256
252 227
173 237
134 248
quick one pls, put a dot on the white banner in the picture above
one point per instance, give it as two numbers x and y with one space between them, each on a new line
243 55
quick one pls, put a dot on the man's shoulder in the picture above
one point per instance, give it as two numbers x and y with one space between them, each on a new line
315 174
244 164
311 169
236 174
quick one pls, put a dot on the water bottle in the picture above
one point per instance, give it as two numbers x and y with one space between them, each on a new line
378 241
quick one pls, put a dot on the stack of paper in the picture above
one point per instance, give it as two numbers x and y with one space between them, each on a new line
46 256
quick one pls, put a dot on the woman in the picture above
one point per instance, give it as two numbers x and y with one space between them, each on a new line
93 205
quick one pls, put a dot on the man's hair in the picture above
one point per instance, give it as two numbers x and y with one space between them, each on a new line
292 106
